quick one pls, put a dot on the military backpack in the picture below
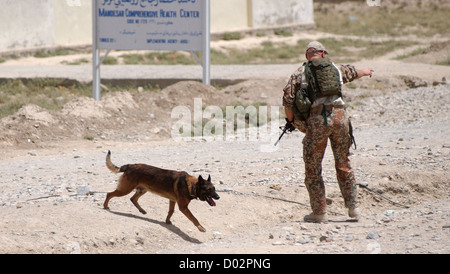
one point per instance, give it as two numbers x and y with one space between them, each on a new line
320 78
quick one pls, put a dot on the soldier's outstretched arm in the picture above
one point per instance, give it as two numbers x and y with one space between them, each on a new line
365 72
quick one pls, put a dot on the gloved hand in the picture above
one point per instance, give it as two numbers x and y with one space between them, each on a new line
289 126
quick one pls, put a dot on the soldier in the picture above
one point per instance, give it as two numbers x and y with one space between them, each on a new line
327 120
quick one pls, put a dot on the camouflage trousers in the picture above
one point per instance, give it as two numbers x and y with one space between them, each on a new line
314 146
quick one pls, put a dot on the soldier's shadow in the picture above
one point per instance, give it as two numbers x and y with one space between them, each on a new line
170 227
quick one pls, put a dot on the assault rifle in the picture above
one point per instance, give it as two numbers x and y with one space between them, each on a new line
287 127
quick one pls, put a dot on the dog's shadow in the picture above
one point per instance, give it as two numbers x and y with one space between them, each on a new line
170 227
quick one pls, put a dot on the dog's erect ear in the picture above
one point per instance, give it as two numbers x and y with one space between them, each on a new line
200 179
209 178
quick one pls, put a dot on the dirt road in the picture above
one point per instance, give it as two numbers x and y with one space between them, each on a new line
403 153
53 177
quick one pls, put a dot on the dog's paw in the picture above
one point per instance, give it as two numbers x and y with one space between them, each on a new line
143 211
201 228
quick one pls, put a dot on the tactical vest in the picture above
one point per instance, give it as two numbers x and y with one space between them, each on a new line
323 78
320 78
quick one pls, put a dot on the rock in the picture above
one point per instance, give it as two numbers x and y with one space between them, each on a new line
363 184
372 235
217 235
303 240
414 82
84 190
275 187
385 219
73 248
155 130
325 239
442 82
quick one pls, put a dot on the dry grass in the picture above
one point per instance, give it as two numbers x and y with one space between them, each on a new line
393 18
51 94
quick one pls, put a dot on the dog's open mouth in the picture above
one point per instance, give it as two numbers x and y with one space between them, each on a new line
210 201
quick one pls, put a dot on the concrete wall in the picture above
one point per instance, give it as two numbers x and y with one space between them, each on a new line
31 23
43 23
233 15
229 15
270 13
26 23
73 22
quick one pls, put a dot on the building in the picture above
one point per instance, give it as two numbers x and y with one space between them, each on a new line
27 24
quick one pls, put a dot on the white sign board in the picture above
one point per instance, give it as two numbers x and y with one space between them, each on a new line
150 24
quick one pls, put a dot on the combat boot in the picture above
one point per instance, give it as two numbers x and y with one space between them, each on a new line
353 213
316 218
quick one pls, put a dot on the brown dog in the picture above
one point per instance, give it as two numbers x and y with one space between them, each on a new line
178 187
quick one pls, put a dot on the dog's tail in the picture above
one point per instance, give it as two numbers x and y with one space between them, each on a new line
110 165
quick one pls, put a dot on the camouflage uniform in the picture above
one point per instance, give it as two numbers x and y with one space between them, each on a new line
316 138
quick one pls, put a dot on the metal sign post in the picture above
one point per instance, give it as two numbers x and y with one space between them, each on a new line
95 55
149 25
206 42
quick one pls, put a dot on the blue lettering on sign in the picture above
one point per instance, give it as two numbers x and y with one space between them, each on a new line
110 13
170 13
156 41
189 13
149 23
141 13
107 40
